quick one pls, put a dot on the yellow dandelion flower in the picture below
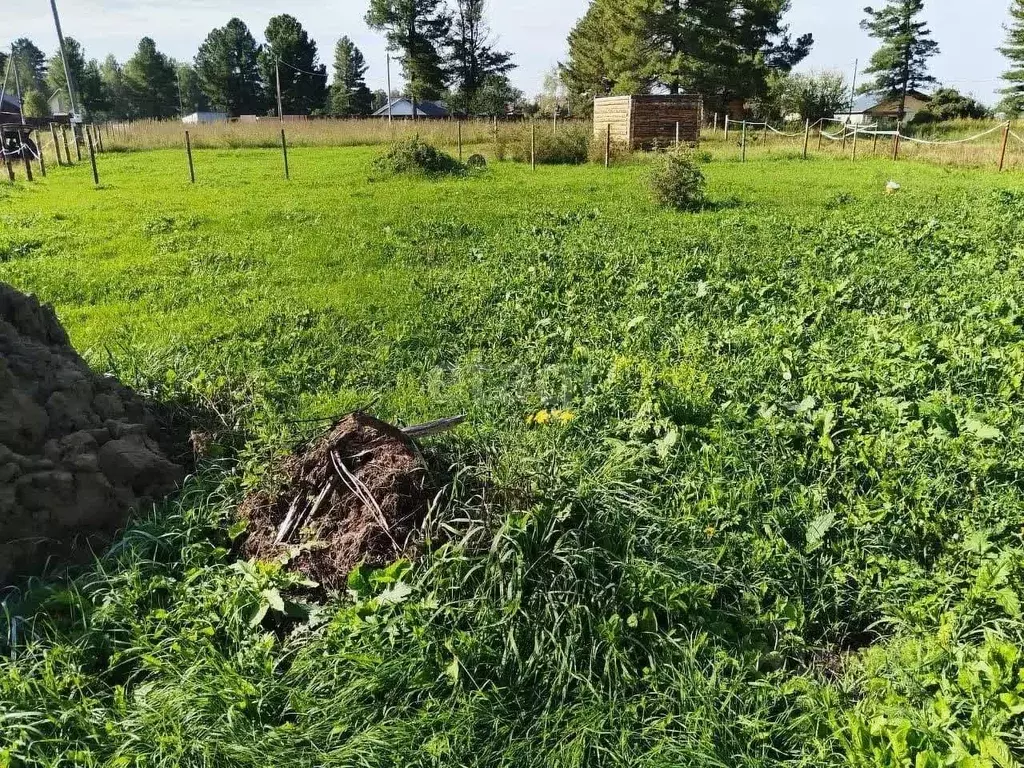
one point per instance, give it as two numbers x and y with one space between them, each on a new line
710 531
566 416
542 417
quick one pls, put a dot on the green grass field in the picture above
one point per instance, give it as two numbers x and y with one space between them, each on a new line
783 526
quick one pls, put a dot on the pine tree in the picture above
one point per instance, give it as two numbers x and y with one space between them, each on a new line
900 65
473 57
1014 51
30 63
349 95
150 83
420 30
303 77
228 68
191 94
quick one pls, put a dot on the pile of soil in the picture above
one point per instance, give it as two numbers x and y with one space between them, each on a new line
78 451
358 494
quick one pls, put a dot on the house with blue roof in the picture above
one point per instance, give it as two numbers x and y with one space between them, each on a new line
871 108
402 108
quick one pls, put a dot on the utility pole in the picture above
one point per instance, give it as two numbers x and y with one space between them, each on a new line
64 59
389 87
3 88
280 109
853 89
17 85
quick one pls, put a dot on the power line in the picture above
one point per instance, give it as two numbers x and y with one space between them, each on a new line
303 71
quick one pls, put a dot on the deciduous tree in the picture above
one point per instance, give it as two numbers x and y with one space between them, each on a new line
900 65
30 63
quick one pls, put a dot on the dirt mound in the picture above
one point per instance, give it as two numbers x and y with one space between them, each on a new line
358 494
77 450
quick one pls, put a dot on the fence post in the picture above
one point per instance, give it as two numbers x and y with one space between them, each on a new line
188 152
99 136
78 144
714 131
10 170
874 141
856 133
726 127
764 134
28 163
743 144
1002 152
807 135
92 159
896 141
459 123
56 144
608 147
844 138
39 149
821 126
533 145
284 151
67 151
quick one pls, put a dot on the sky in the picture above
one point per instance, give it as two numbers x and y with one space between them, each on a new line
535 30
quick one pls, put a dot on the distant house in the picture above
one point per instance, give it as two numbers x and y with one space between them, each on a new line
869 108
10 109
402 108
197 118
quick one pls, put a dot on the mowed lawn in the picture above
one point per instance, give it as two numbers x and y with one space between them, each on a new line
777 522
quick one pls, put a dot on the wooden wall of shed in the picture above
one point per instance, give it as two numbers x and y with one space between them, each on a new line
613 111
654 118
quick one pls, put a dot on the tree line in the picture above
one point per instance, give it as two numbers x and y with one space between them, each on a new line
445 51
730 51
740 52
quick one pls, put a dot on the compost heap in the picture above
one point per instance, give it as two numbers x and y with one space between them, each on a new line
358 494
78 451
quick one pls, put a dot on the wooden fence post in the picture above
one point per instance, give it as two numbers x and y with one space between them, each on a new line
764 134
1002 152
874 142
284 151
42 158
743 144
807 135
188 152
67 151
99 136
27 161
10 170
714 131
896 141
844 139
460 139
821 127
78 144
856 133
56 144
92 159
726 127
608 147
533 145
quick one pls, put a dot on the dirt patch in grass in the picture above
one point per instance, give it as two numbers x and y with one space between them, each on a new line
357 494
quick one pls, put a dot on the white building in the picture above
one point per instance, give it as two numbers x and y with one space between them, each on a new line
205 117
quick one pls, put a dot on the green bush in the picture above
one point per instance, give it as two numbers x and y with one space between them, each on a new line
569 145
677 182
413 156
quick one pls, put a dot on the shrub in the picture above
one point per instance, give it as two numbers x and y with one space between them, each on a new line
570 145
416 157
620 151
677 182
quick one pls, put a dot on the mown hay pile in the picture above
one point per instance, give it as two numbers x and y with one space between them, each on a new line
78 451
358 494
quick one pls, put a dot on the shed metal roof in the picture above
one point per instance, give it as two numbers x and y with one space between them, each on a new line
403 108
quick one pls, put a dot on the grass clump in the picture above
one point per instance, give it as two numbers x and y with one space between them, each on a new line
413 156
569 145
678 182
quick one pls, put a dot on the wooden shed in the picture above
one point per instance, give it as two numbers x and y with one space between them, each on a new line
643 122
